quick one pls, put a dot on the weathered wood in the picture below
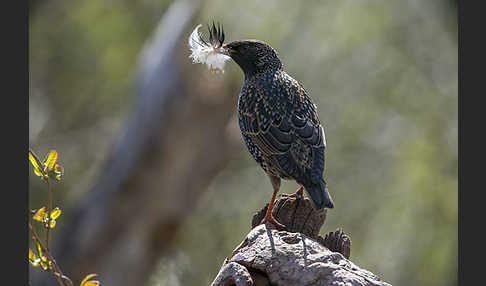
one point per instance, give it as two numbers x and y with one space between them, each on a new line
337 241
294 256
297 215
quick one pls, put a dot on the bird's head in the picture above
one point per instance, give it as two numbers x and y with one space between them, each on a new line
253 56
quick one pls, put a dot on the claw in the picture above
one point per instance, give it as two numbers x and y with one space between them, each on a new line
270 218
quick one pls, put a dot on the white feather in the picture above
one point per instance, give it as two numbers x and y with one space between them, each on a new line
206 54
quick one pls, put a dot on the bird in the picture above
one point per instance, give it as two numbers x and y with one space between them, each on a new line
278 120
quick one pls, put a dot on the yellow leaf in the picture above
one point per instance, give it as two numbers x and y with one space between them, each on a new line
33 259
92 283
55 213
32 256
89 276
39 250
53 224
40 215
38 166
51 160
38 173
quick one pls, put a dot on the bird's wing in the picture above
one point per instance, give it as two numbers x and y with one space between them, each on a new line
309 155
295 143
309 131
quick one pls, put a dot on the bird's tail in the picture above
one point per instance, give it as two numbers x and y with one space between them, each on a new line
319 195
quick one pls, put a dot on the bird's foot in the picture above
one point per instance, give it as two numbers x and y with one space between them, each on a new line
271 218
299 194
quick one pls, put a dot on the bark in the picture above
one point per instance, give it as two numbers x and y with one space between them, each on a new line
296 255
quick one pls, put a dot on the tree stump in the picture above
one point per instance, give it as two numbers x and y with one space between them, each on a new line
296 255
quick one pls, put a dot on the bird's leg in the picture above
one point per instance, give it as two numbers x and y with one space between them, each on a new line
268 215
299 194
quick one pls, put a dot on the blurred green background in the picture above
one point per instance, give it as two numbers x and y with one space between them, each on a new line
382 73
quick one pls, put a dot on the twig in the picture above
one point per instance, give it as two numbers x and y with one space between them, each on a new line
56 271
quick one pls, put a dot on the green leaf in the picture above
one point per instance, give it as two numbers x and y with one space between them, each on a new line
50 161
38 166
55 213
85 280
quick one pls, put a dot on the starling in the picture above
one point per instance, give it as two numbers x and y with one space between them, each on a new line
277 119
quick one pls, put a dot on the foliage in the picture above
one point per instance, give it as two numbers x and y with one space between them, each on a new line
42 259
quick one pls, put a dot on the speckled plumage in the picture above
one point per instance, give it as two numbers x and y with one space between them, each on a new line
279 122
277 119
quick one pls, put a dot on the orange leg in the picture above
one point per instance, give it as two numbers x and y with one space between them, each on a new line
268 215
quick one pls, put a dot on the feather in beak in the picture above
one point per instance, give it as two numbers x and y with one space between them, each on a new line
210 53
